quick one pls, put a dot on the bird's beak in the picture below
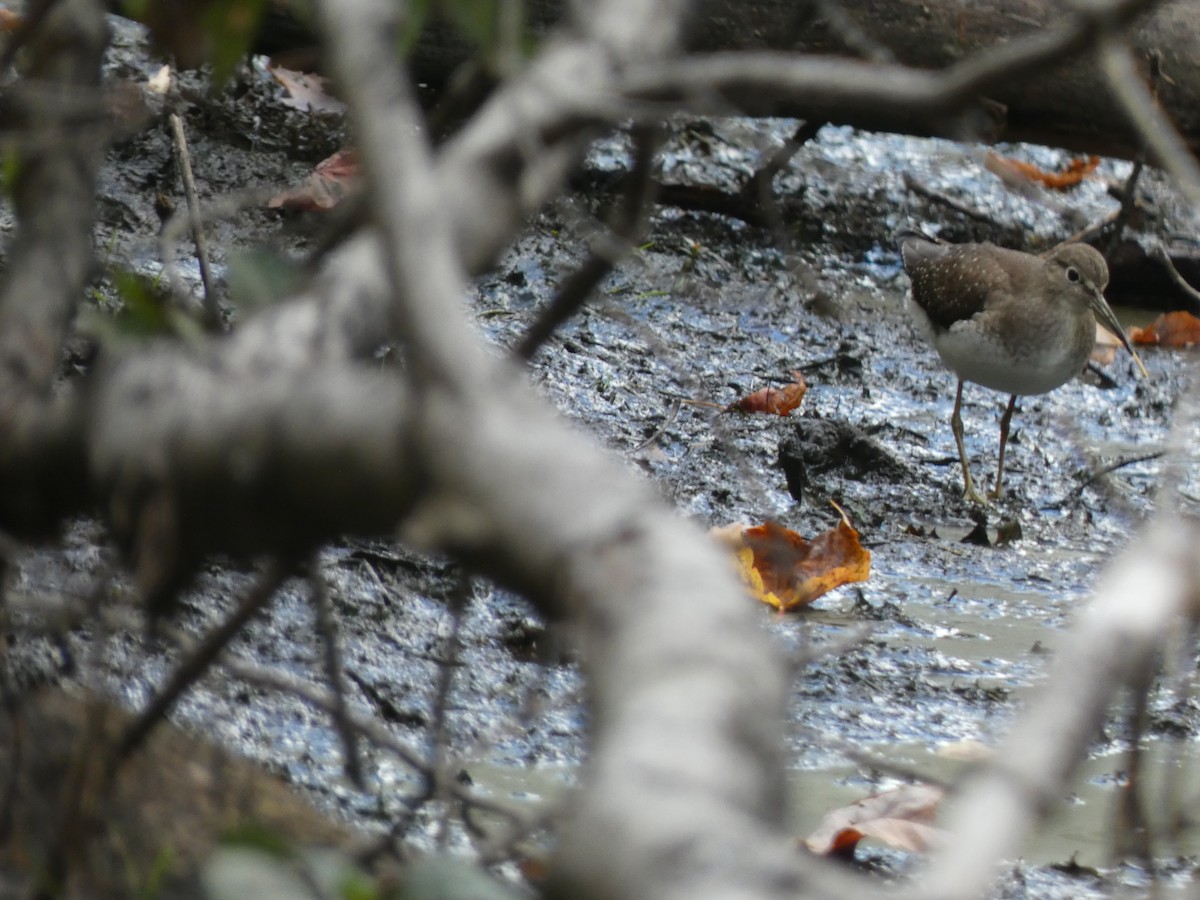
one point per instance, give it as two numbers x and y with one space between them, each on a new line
1108 319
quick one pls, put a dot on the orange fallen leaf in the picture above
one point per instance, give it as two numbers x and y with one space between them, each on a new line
776 401
331 180
1072 174
900 818
1177 330
785 571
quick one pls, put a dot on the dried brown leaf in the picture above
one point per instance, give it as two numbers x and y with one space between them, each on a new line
786 571
901 818
1178 330
778 401
331 180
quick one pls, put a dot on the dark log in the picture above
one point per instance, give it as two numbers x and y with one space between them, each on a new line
1067 106
1140 279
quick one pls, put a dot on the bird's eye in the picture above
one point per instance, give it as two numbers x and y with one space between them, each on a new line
1072 273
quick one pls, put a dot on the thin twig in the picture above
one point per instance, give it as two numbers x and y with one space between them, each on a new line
1107 382
324 701
198 663
335 673
17 732
28 23
1096 475
1120 221
754 202
922 189
759 184
457 602
1133 832
86 785
212 309
866 759
759 191
668 421
84 794
1161 254
629 224
1129 189
335 706
1154 129
1110 643
371 730
1173 803
692 401
435 785
500 848
11 706
1093 230
851 33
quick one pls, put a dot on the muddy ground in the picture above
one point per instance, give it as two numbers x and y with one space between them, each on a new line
935 649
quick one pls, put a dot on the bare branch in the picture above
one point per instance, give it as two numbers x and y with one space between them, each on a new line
335 673
1161 254
629 223
42 468
193 458
212 309
197 663
55 195
688 753
1111 642
870 94
370 730
517 151
1161 139
276 439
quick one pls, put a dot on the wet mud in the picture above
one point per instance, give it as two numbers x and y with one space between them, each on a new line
936 648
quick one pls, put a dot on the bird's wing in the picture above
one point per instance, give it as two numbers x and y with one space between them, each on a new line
962 281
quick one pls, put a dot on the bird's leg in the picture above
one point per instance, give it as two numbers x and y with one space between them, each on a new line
1004 422
956 425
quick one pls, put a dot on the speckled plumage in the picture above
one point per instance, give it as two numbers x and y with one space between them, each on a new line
1011 321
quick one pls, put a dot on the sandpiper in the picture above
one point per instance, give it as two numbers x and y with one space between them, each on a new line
1014 322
